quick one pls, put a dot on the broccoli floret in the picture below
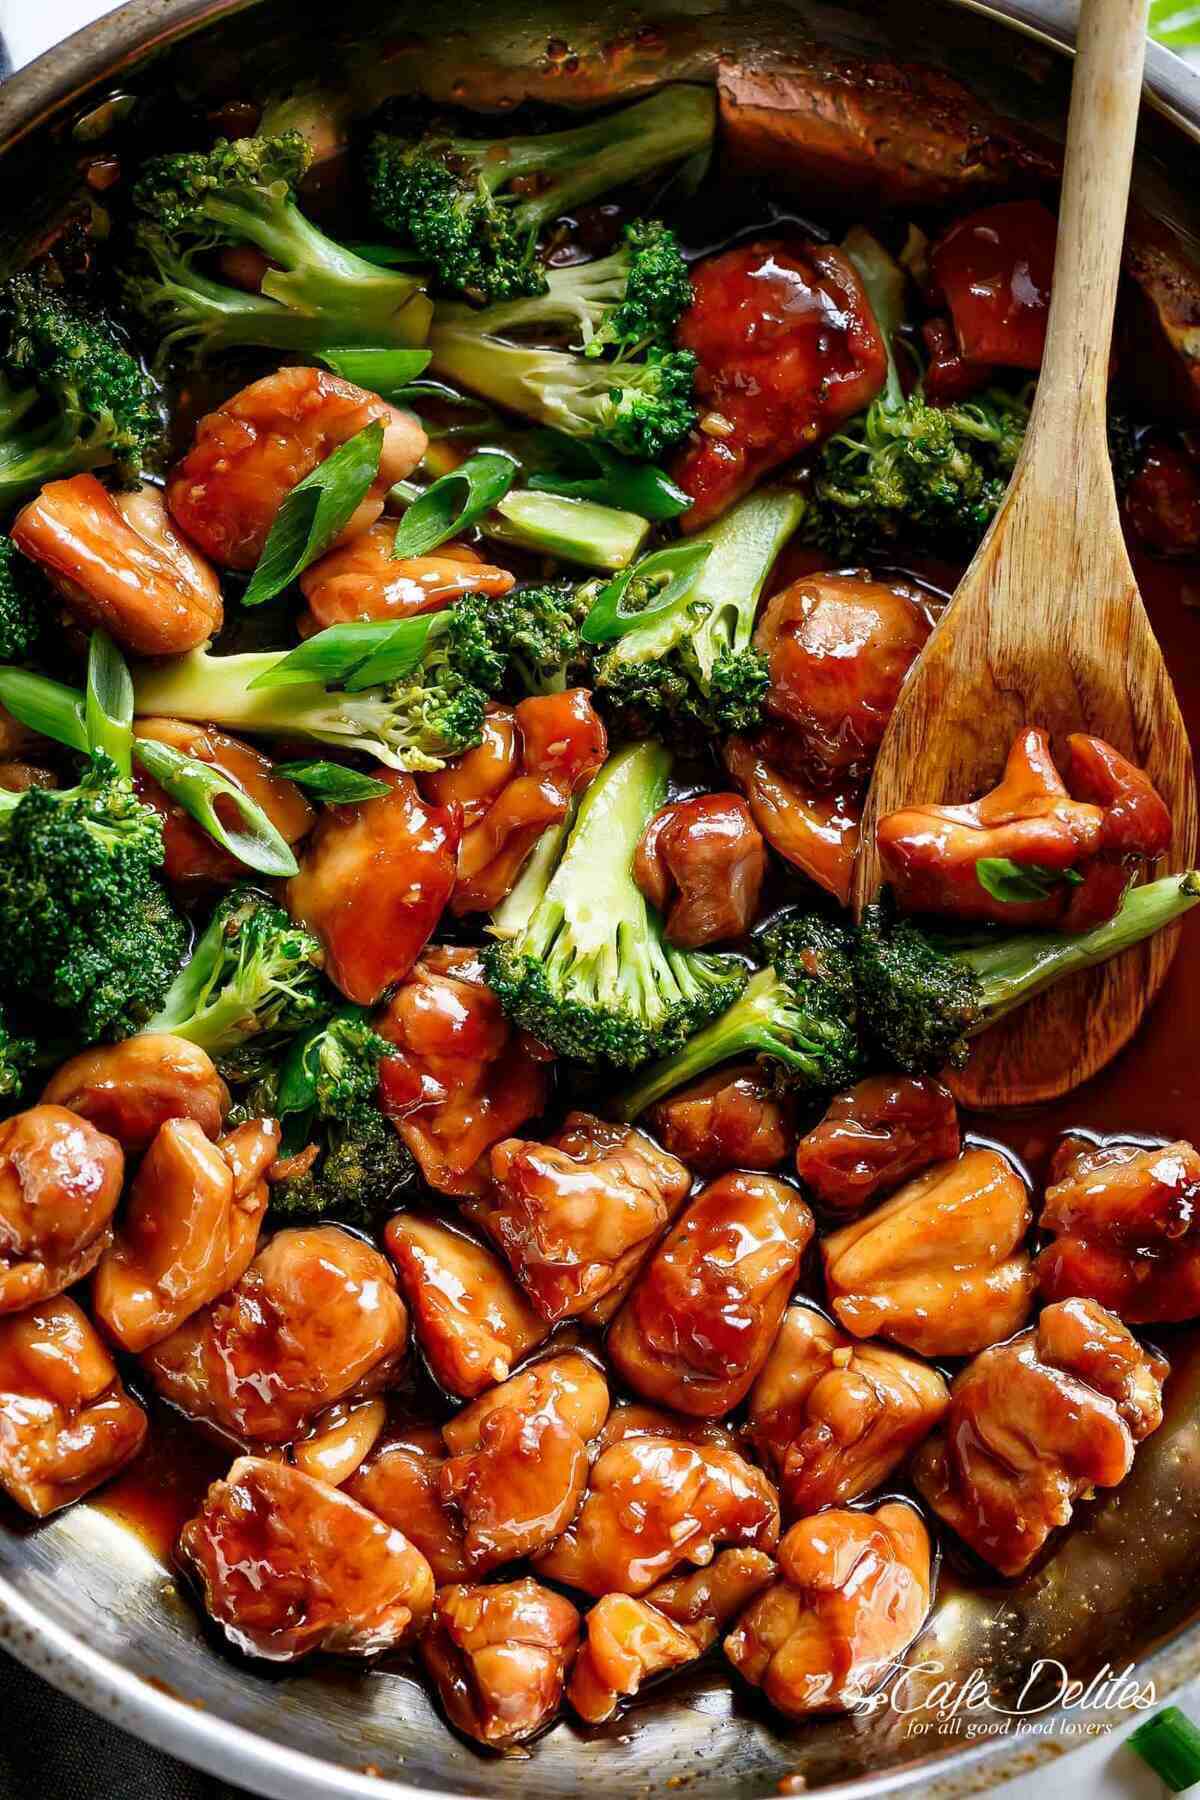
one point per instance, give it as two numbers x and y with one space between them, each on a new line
315 296
625 303
72 397
473 207
18 1057
693 666
85 926
798 1016
923 994
527 641
589 971
427 710
442 669
23 608
933 475
252 981
640 407
350 1158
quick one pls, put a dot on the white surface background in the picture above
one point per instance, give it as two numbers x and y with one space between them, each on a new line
1105 1771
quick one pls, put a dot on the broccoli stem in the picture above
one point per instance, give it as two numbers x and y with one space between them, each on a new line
725 595
578 531
516 909
883 281
1012 969
587 160
216 690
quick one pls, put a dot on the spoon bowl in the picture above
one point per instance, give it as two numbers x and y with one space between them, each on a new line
1047 626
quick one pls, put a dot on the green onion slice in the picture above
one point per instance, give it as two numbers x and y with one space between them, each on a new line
1019 884
197 786
333 782
580 469
455 501
46 706
674 568
1170 1743
108 702
315 511
383 372
358 654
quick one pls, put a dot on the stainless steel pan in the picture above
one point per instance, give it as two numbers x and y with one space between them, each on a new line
82 1601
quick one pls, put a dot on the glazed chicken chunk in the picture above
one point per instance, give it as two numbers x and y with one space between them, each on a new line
1080 840
471 1320
130 1090
518 1466
315 1319
288 1565
498 1657
400 1480
66 1422
1034 1425
703 1312
516 784
363 579
340 1440
854 1591
189 1230
653 1503
1124 1228
630 1642
838 648
702 863
727 1120
576 1216
120 565
875 1136
831 1418
940 1267
373 883
60 1180
461 1078
787 348
813 827
249 454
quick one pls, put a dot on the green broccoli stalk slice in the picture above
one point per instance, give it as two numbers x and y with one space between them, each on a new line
317 295
441 670
253 980
797 1016
641 406
472 208
590 973
693 666
923 995
85 926
621 303
932 474
325 1094
72 397
24 604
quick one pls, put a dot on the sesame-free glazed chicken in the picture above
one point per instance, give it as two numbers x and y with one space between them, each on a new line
1035 1424
498 1657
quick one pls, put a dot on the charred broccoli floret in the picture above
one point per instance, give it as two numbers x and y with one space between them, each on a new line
252 981
589 971
472 208
72 397
314 294
693 665
923 994
347 1158
798 1016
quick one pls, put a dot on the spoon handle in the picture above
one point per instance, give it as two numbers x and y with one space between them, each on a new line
1068 425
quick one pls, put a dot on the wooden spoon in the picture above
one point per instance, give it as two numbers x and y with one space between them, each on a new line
1047 626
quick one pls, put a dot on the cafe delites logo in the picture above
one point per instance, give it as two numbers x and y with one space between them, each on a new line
1048 1702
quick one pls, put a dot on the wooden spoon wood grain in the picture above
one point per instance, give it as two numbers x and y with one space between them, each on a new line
1047 626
